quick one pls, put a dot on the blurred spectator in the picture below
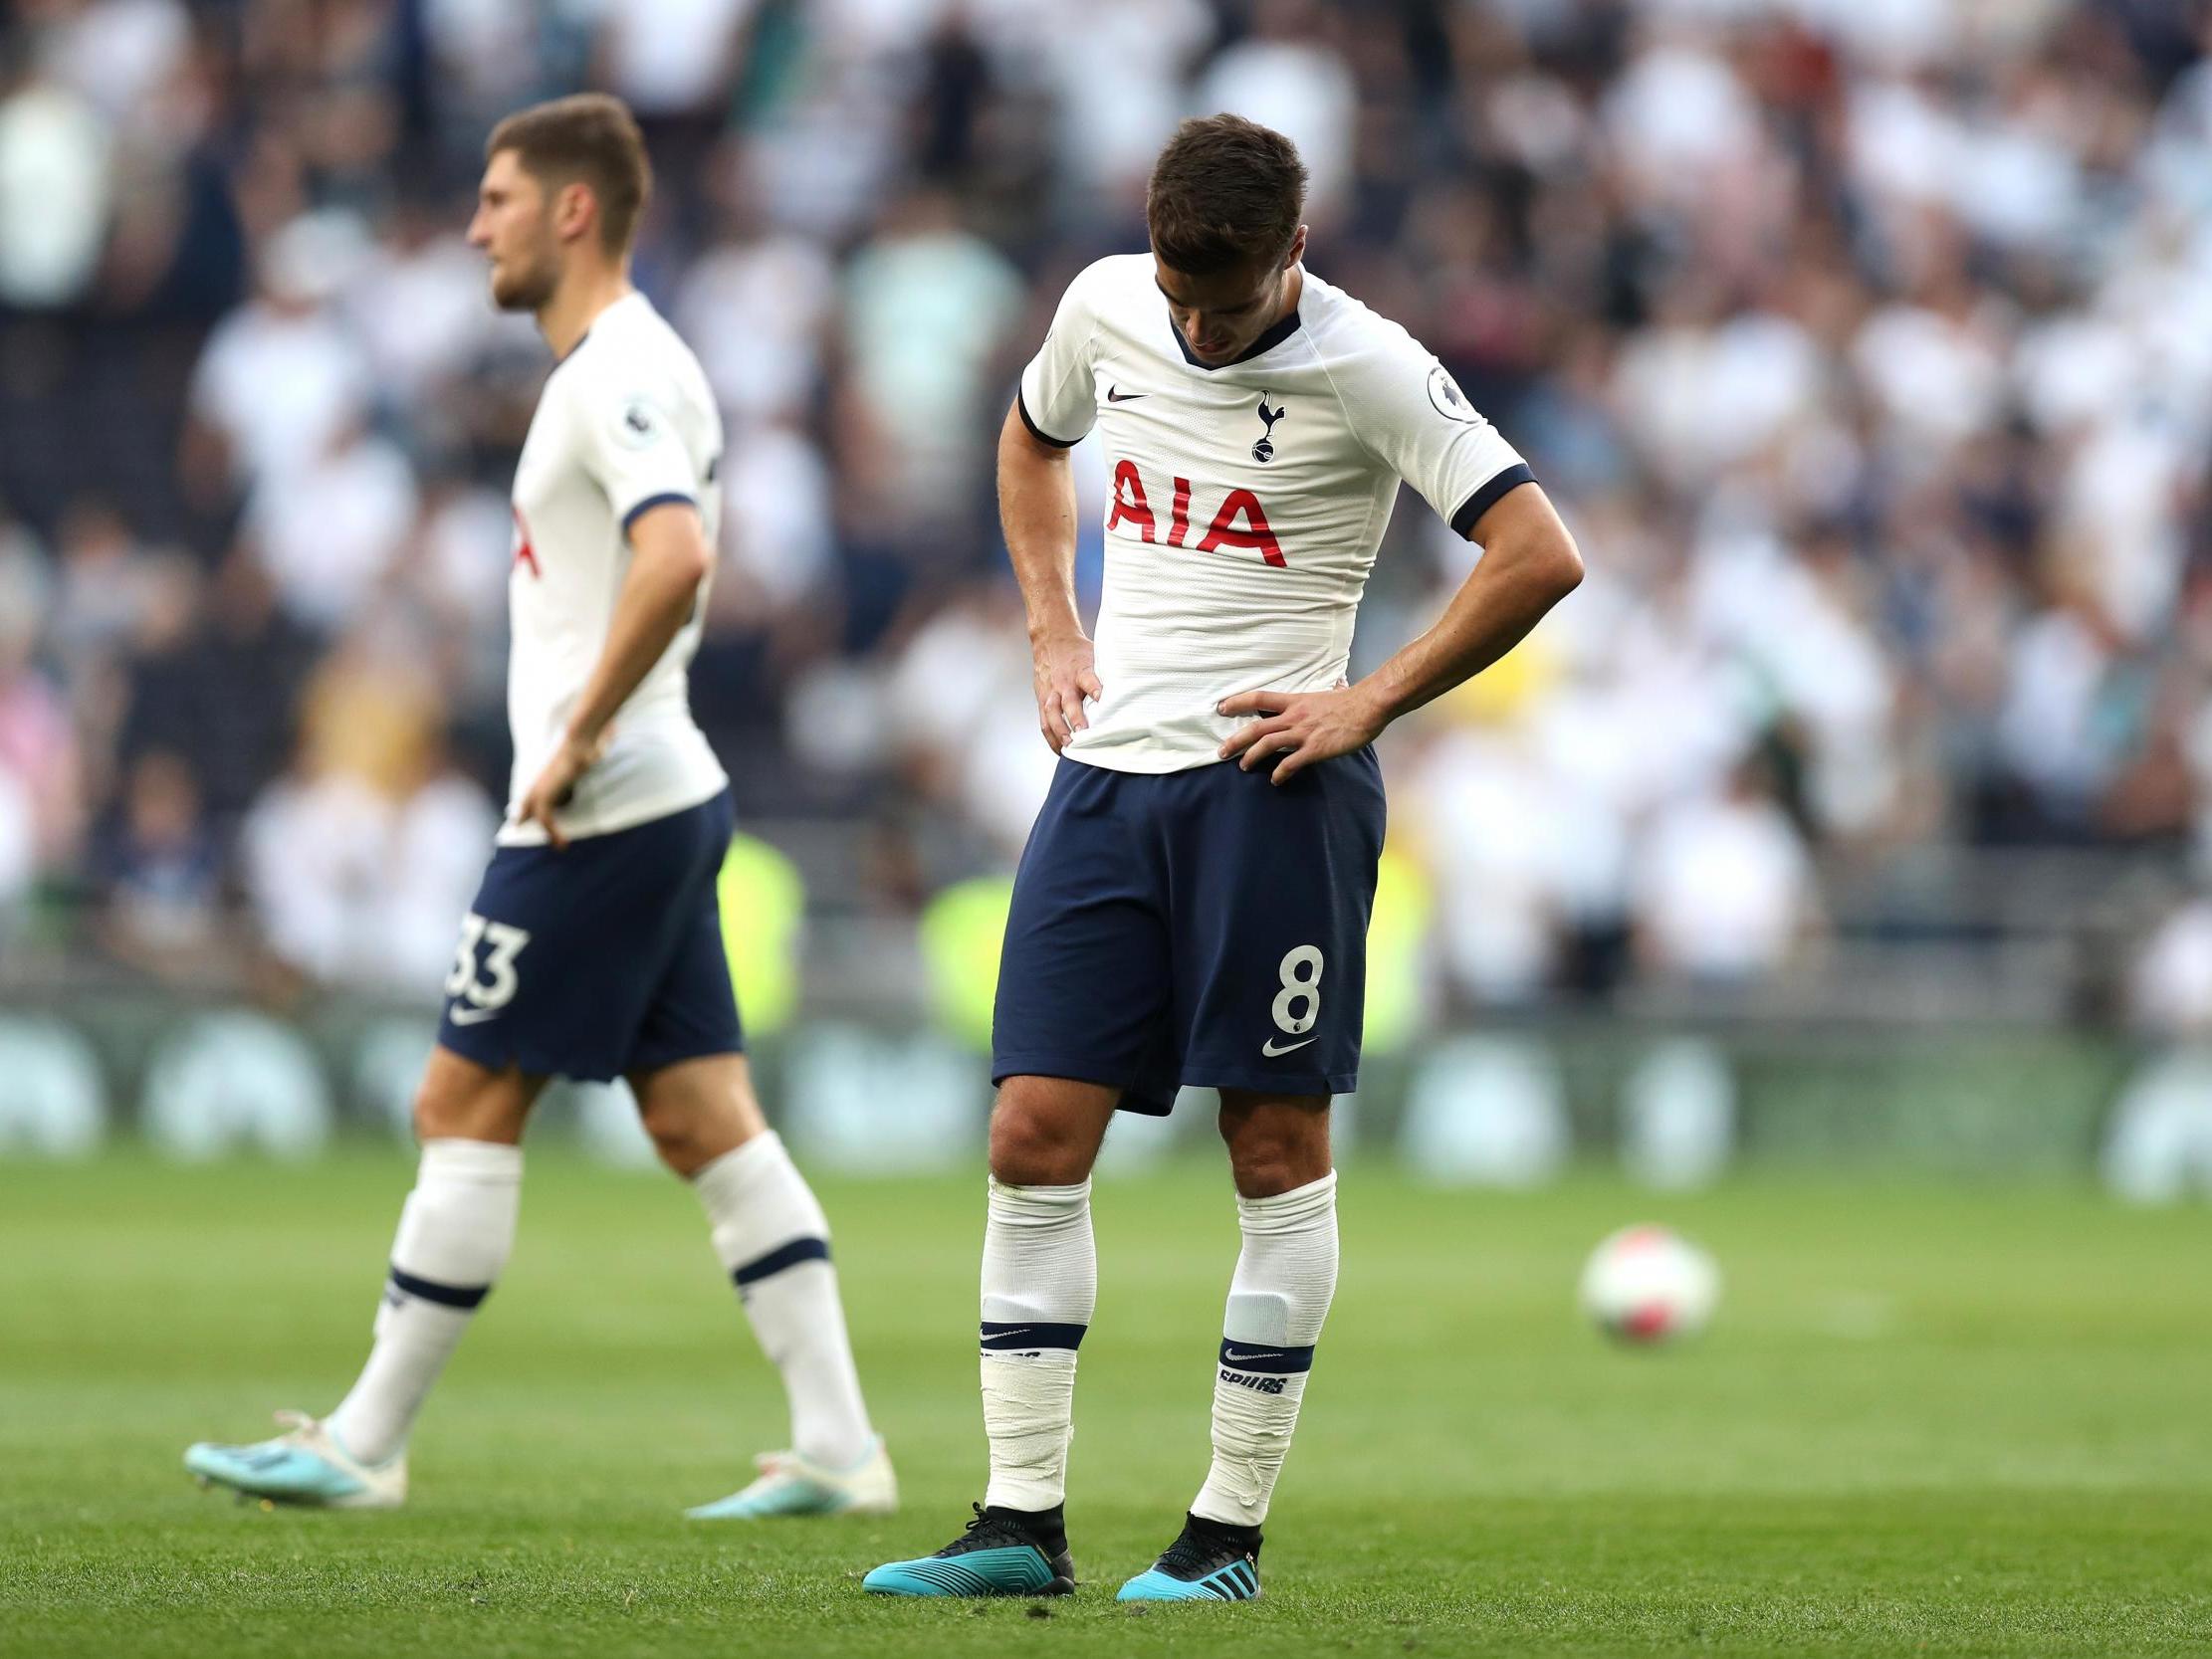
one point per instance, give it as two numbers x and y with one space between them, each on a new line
373 710
215 676
1110 125
55 187
755 306
927 306
669 58
966 717
2169 992
157 872
417 301
100 591
282 377
361 858
460 559
777 516
38 751
331 527
1481 807
362 886
1723 891
488 58
119 53
1290 73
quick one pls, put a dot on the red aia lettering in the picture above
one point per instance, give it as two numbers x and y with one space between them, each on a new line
523 551
1131 506
1222 531
1241 522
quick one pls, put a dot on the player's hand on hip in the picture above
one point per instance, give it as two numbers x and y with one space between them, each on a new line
557 782
1065 677
1296 729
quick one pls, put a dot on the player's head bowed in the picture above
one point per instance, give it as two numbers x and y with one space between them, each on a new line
563 181
1225 209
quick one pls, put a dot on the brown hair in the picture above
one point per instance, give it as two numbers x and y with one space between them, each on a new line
589 139
1225 193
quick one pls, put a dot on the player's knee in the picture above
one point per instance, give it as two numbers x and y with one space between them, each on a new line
1273 1156
698 1110
1032 1147
433 1119
1263 1171
685 1136
442 1116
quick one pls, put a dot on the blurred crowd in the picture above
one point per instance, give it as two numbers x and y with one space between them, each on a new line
1866 345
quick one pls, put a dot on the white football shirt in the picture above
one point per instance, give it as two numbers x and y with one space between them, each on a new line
1246 501
625 422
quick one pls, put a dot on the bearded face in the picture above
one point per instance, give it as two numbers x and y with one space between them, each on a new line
522 280
512 227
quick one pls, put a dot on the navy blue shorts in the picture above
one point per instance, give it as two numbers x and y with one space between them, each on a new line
1201 928
601 959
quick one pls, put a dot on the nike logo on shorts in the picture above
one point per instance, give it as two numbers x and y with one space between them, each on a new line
472 1017
1269 1049
1114 394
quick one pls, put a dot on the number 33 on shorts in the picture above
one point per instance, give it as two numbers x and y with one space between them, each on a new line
1298 1003
489 986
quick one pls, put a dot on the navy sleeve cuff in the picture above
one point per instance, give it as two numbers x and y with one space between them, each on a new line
1471 509
1037 432
649 503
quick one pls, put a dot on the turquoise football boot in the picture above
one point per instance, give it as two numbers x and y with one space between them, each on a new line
1209 1563
789 1484
1000 1554
304 1465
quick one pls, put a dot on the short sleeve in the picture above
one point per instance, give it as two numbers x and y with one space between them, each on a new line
1058 396
1410 412
629 444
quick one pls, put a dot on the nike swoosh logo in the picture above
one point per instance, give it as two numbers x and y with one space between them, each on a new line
473 1016
1268 1047
1114 394
1232 1356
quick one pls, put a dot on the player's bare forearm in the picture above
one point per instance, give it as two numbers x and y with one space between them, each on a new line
1036 511
669 559
1529 563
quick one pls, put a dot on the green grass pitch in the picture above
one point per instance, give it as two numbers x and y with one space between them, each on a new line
1929 1421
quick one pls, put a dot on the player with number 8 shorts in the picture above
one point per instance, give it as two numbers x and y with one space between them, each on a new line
1192 907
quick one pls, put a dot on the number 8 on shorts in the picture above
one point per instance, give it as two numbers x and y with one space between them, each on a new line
1298 1003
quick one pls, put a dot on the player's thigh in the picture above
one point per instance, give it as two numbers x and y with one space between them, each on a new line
460 1099
691 1012
696 1109
1273 889
1085 975
1276 1143
1046 1131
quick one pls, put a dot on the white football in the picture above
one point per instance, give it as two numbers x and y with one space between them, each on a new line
1649 1285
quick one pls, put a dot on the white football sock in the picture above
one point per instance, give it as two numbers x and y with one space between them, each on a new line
771 1235
455 1232
1040 1283
1285 1276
